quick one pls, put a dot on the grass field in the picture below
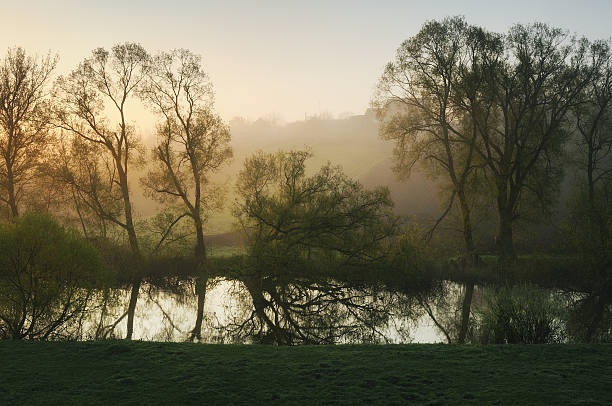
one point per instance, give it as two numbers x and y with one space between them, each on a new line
148 373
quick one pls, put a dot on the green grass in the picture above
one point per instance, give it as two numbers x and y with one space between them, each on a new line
148 373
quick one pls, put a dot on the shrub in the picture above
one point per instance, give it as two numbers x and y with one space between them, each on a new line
520 314
48 276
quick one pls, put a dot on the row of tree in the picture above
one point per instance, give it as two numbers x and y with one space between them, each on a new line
71 144
498 117
71 148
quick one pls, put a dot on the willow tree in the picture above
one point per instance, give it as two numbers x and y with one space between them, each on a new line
291 219
303 231
24 122
193 143
94 102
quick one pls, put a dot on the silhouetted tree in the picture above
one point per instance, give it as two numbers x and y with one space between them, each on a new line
426 101
592 124
531 84
290 218
24 122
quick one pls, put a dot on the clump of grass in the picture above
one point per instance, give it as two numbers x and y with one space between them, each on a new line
520 314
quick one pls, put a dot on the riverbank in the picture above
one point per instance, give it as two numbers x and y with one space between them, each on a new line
149 373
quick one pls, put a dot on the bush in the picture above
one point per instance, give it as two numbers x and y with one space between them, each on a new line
48 275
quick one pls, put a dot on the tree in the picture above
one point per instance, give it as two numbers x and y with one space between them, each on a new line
89 176
304 233
48 275
424 102
193 143
592 123
290 218
24 122
530 87
104 84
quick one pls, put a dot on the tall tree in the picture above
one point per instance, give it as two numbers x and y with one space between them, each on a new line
592 122
424 99
193 143
530 88
24 122
302 233
94 100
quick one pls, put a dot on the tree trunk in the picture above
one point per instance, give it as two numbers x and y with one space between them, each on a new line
200 289
469 260
136 282
467 227
12 199
132 308
129 222
504 240
465 312
595 217
201 279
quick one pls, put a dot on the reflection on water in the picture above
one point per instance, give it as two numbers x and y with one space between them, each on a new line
297 313
313 312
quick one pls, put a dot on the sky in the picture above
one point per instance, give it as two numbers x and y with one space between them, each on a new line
274 59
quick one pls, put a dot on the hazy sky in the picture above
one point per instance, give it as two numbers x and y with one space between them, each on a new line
278 58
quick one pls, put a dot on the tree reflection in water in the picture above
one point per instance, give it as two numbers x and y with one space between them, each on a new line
269 310
302 311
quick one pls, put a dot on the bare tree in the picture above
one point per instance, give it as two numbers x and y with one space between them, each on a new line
193 143
24 122
102 85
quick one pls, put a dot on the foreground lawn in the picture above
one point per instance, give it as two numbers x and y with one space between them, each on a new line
145 373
